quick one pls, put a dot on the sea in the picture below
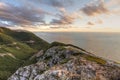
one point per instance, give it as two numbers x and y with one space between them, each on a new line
103 44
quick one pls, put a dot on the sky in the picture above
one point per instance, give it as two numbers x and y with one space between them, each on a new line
61 15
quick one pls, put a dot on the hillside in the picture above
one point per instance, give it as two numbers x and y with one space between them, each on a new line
68 62
16 47
24 56
25 37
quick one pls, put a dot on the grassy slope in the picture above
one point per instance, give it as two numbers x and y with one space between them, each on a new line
16 43
24 36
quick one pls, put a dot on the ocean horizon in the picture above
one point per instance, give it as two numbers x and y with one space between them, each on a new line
106 45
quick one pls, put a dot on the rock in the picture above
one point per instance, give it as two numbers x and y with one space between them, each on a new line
68 63
29 72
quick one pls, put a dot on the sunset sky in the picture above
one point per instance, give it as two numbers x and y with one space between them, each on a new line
61 15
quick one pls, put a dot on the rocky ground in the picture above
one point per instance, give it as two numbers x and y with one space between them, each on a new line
68 63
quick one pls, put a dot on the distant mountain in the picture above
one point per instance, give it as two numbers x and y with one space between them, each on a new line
68 62
16 47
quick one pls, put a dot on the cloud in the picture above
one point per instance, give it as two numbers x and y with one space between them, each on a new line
99 21
65 18
58 3
113 3
22 15
58 27
51 3
90 23
95 8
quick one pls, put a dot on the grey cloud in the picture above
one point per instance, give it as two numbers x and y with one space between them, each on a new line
57 3
65 18
95 8
99 21
29 14
52 3
21 15
90 23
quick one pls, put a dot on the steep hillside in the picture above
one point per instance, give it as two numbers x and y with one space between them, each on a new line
16 47
25 37
68 62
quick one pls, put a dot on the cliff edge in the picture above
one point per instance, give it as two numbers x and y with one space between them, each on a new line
67 62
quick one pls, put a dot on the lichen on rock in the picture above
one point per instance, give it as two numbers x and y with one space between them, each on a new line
68 63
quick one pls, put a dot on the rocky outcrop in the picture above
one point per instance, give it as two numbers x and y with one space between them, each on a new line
68 63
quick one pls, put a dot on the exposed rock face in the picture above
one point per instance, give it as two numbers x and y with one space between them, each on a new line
68 63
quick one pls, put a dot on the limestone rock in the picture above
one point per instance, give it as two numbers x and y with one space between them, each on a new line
68 63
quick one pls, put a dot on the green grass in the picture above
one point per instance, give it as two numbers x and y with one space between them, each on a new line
22 53
5 39
62 44
28 62
4 75
93 58
64 61
7 66
16 43
24 36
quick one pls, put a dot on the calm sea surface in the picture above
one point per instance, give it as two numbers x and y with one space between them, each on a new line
106 45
